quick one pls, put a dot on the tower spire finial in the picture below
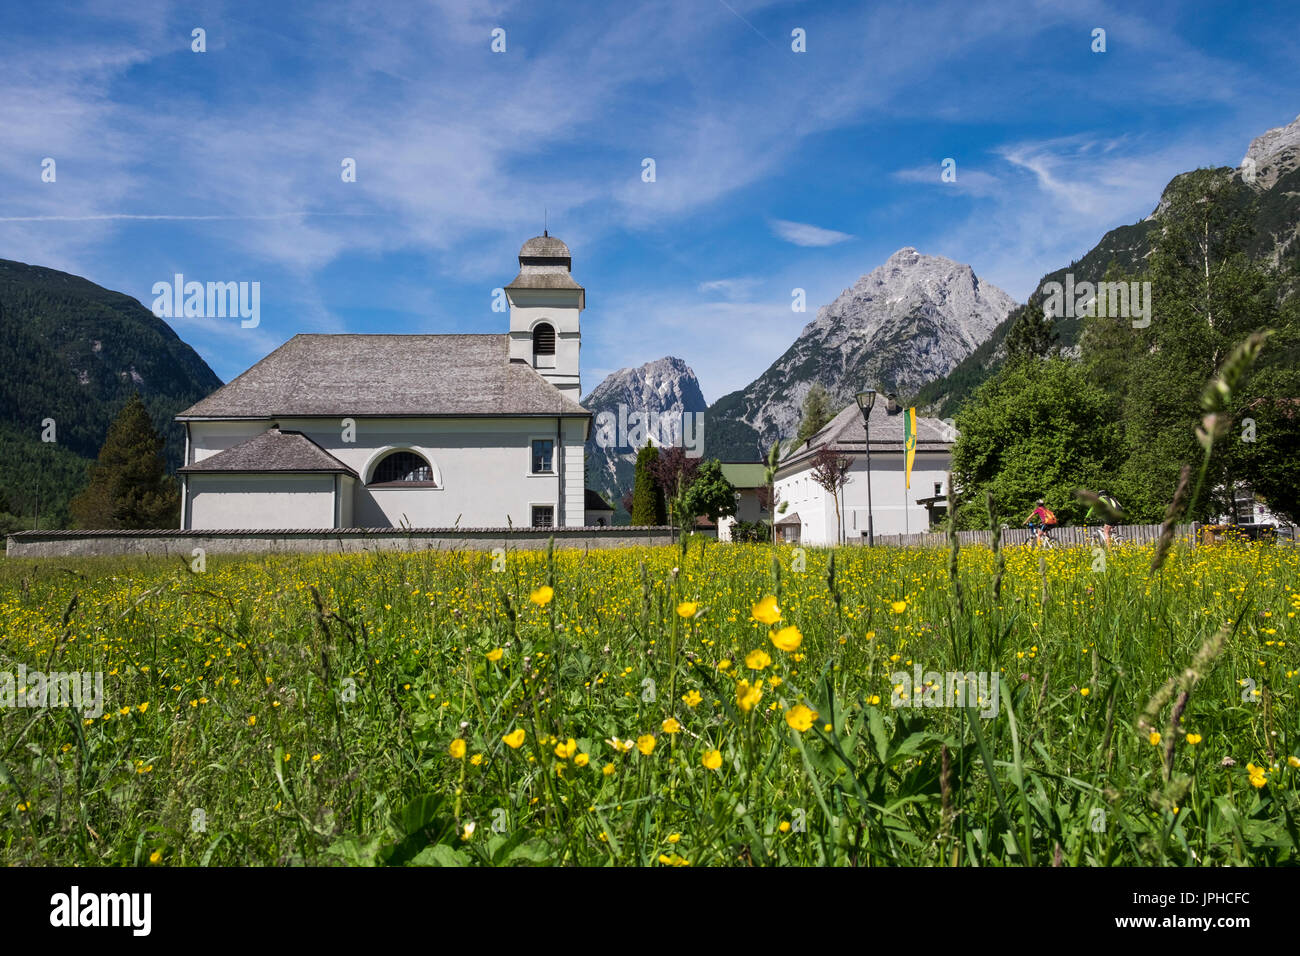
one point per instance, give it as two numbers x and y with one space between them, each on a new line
544 232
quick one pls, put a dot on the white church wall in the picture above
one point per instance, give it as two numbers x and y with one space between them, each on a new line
483 468
261 501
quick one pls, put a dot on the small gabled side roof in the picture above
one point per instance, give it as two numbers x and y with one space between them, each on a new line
284 452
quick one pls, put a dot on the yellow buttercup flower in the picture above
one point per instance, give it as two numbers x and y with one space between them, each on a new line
155 856
252 719
787 639
1084 691
671 726
687 609
712 759
1193 739
757 660
1257 778
748 696
692 699
514 739
542 596
1293 761
898 607
495 655
800 717
581 760
476 760
1153 738
766 611
566 749
622 746
646 744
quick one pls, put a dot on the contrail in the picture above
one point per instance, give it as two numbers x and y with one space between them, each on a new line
123 215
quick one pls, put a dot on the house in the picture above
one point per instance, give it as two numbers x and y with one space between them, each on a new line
810 516
425 431
600 513
750 481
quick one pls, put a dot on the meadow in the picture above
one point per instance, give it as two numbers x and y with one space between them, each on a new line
713 705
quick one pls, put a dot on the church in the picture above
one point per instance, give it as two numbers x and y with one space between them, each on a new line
419 431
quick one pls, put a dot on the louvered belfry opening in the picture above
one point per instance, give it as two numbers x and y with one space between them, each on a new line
544 339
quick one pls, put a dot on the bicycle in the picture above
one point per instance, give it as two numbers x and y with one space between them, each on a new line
1044 540
1099 535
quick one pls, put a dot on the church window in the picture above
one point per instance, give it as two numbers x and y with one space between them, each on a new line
543 452
402 467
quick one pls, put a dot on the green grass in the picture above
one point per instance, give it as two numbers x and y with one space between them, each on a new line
301 710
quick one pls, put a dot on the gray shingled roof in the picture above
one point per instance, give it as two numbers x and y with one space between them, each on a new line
273 450
544 280
845 433
544 247
387 375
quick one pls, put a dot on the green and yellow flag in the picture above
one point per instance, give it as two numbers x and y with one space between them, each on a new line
909 440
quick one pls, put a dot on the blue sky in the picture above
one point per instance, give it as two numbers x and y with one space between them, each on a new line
774 169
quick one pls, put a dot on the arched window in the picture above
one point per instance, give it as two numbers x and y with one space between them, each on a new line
402 467
544 339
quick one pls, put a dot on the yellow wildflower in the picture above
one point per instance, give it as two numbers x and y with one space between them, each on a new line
800 717
787 639
746 696
766 611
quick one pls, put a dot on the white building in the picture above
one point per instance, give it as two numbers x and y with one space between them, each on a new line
750 481
425 431
809 516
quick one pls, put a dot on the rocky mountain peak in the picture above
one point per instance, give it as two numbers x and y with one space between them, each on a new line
665 384
908 321
1272 155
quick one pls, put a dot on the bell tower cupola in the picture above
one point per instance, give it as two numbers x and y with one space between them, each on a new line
545 308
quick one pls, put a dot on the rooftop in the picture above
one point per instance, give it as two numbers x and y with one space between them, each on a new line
845 433
273 450
413 376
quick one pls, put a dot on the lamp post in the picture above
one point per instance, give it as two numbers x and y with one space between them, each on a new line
866 399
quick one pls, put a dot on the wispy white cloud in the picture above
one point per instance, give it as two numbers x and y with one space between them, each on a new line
805 234
974 182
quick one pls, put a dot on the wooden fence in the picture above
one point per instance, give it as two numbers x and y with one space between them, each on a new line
1065 536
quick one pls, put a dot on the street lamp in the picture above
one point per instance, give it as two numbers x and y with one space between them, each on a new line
866 399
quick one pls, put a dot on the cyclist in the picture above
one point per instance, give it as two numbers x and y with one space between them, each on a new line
1041 519
1108 510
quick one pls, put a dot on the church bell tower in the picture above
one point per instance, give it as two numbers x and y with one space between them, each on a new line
545 308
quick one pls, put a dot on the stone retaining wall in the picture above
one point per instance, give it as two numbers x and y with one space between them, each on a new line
168 543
